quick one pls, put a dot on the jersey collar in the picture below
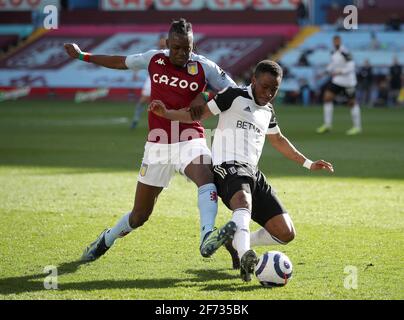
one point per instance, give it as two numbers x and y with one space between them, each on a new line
268 106
166 52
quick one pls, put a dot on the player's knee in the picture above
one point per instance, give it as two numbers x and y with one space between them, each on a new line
138 218
241 199
200 171
290 236
328 97
205 178
287 235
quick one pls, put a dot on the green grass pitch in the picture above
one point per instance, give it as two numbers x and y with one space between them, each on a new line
68 171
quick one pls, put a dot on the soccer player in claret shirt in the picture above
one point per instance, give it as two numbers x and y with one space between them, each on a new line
178 76
246 117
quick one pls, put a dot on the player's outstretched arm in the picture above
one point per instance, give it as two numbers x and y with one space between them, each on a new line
284 146
112 62
198 107
197 111
158 107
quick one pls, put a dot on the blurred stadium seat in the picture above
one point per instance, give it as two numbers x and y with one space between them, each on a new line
234 35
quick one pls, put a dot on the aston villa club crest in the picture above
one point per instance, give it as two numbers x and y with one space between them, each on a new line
192 68
143 169
213 196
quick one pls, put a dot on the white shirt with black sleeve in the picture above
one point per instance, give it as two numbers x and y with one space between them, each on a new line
242 127
342 62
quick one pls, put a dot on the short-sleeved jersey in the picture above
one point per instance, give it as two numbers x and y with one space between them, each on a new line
242 126
146 87
177 87
341 61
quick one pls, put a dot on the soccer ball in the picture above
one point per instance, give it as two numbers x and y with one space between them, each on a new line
273 269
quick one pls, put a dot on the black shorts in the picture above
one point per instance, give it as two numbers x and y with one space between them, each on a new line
233 177
348 92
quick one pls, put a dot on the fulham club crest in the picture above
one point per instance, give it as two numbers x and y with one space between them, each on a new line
192 68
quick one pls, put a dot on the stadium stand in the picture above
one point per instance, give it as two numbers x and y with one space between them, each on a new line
43 65
372 12
6 40
12 34
44 62
234 37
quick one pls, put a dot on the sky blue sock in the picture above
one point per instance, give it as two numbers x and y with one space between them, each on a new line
140 106
207 204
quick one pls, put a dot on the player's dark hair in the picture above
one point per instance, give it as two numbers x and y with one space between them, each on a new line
181 26
268 66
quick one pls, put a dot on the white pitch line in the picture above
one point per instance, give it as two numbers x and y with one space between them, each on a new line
78 122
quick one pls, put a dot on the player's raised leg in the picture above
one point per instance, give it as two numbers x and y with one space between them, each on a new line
267 211
199 171
277 230
145 198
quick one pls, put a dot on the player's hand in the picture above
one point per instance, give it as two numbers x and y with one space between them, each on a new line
158 107
72 50
196 107
321 164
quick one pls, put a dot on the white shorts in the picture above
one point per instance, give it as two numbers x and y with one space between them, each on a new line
161 161
146 90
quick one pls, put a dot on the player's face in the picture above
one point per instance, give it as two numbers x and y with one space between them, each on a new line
162 43
180 48
265 87
337 43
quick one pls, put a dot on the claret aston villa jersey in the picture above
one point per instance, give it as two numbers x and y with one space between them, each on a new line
177 87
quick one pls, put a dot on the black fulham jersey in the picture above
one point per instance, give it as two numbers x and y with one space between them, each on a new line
242 127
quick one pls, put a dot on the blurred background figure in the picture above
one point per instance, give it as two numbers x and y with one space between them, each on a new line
365 83
381 94
395 81
302 14
304 58
30 56
394 23
305 92
374 42
144 99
